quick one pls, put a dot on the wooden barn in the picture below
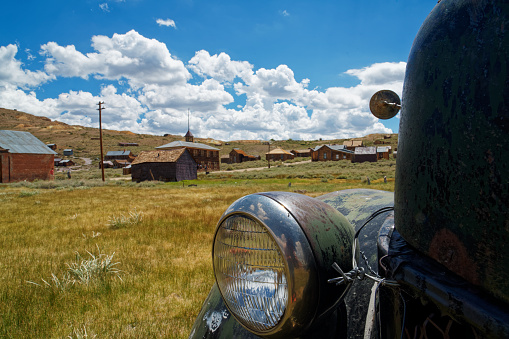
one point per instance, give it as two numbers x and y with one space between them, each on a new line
24 157
363 154
164 165
279 154
331 153
237 156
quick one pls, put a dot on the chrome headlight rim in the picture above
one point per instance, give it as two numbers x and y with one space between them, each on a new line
300 267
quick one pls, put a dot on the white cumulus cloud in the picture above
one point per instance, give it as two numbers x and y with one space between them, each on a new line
167 23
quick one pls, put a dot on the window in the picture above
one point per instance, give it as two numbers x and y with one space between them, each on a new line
325 155
337 156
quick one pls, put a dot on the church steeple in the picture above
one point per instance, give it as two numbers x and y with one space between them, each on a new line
189 136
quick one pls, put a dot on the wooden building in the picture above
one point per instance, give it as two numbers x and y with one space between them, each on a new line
353 144
279 154
128 144
301 152
52 146
207 157
120 155
120 163
383 152
363 154
24 157
164 165
66 163
68 152
331 153
237 156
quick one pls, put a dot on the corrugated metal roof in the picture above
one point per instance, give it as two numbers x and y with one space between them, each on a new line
159 156
117 153
365 150
23 142
382 149
177 144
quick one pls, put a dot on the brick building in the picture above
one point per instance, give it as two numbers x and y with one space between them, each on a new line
24 157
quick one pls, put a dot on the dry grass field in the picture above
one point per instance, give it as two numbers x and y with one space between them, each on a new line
83 259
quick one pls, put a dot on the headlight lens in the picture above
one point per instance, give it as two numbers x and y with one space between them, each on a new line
250 272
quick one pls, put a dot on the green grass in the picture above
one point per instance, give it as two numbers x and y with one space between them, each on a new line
144 249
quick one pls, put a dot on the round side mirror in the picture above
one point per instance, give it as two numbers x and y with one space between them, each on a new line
385 104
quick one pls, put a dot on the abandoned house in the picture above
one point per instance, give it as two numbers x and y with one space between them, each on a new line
237 156
164 165
331 153
278 154
363 154
207 157
24 157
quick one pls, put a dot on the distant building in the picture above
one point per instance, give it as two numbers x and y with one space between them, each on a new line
106 164
24 157
128 144
120 155
68 152
383 152
278 154
206 157
66 163
363 154
301 152
331 153
164 165
237 156
52 146
353 144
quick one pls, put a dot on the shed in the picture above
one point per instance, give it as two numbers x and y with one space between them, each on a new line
383 152
52 146
68 152
164 165
24 157
363 154
57 161
121 163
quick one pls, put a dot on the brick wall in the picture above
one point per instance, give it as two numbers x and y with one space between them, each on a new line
18 167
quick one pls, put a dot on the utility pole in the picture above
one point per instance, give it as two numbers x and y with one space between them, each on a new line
268 155
101 136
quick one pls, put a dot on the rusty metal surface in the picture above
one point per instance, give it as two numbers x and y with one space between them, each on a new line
426 280
452 188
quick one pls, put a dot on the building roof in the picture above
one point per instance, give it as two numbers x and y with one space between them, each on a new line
365 150
382 149
180 144
23 142
279 151
159 156
117 153
352 143
307 150
189 134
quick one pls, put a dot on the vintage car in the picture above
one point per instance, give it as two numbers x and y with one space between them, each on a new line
430 260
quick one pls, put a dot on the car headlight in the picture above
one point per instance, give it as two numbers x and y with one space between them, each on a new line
272 256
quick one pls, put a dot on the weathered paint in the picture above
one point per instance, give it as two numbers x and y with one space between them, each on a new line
452 188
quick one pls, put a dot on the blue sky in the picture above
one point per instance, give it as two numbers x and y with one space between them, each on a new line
243 69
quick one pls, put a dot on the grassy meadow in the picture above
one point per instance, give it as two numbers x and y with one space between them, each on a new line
85 259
